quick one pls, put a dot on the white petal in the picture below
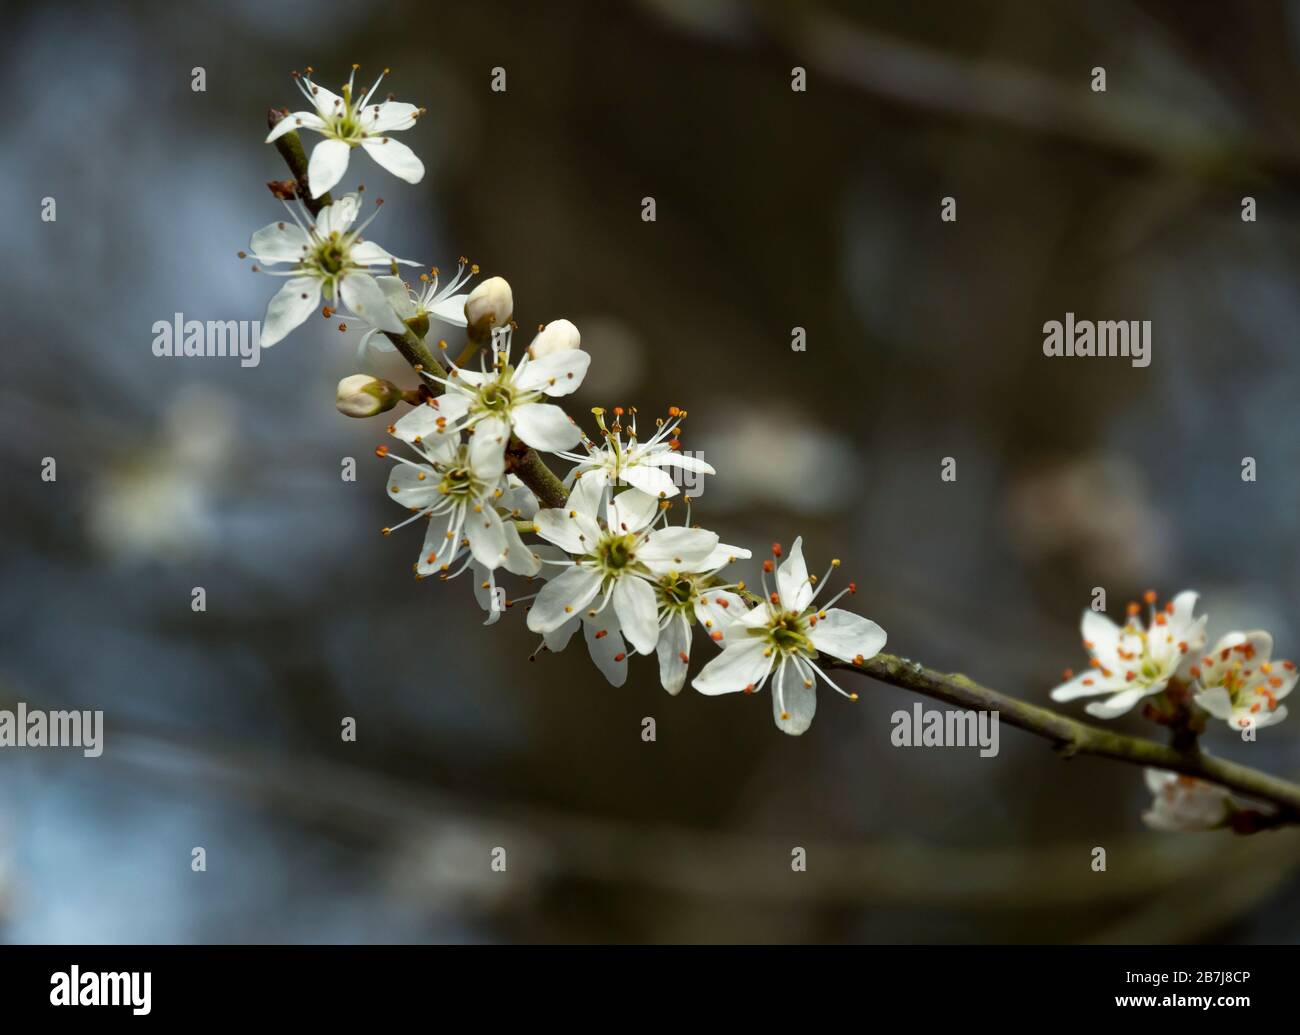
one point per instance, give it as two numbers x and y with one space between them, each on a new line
335 218
388 116
1118 704
394 289
487 449
681 548
653 481
634 602
545 427
588 492
289 307
570 530
1217 702
487 539
557 374
405 486
557 639
329 161
450 310
674 650
792 579
367 253
294 121
631 511
605 645
365 298
279 242
719 611
672 458
563 598
396 157
794 697
327 102
846 636
520 558
742 663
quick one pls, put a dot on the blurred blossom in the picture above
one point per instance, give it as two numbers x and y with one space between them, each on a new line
775 454
450 867
1093 512
157 501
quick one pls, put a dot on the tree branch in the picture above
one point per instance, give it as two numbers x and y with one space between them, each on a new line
1071 737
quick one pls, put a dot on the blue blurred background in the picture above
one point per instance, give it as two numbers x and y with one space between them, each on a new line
775 209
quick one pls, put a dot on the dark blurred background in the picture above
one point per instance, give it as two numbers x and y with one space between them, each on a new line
775 209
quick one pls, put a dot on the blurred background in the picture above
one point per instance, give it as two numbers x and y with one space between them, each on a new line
775 209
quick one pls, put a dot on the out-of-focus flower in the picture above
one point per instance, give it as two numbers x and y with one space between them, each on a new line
1237 681
1185 804
1131 662
783 637
346 122
1094 511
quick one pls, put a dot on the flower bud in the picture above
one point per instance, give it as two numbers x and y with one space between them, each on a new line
489 305
364 396
556 336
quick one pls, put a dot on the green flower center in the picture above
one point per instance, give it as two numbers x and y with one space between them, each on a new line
457 482
788 632
614 553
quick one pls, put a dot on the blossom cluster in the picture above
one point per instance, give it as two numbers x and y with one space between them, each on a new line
613 559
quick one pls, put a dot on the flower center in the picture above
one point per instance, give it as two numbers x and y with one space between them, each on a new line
614 553
330 257
496 397
457 482
788 633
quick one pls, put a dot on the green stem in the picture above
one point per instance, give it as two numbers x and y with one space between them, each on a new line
290 148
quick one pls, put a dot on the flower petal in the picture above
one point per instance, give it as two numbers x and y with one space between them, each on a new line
794 697
396 157
487 539
674 650
572 531
742 663
545 427
792 579
682 548
388 116
847 636
289 307
365 298
279 242
329 161
558 374
563 597
634 603
605 645
294 121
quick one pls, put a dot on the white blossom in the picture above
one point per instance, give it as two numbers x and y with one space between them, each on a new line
646 466
783 637
1131 662
1185 804
615 563
514 394
460 490
416 308
1239 682
347 122
327 256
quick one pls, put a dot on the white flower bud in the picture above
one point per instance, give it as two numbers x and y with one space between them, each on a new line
361 395
489 305
556 336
